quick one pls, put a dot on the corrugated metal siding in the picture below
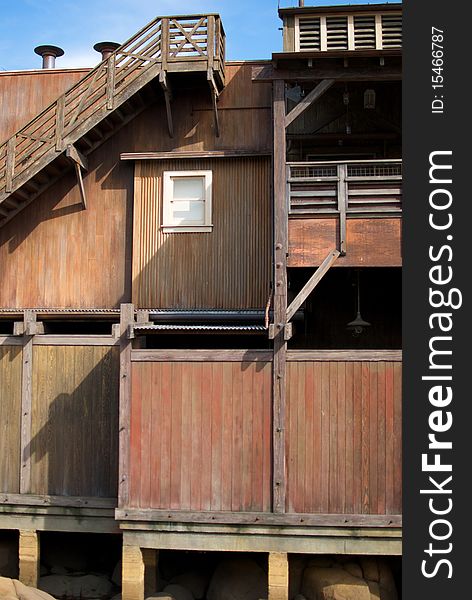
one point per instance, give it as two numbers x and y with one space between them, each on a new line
344 437
201 436
74 446
227 268
10 414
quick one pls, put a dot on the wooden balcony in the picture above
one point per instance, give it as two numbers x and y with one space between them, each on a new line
354 205
355 188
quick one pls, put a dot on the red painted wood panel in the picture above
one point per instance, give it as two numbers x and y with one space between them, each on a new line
344 437
201 436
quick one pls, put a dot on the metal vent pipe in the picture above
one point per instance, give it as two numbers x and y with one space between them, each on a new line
49 54
106 48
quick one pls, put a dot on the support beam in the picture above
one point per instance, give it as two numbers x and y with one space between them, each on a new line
312 283
308 100
126 320
278 576
214 98
76 157
163 80
29 558
26 402
80 162
342 207
132 585
280 297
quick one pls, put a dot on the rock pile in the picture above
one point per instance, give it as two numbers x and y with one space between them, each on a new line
12 589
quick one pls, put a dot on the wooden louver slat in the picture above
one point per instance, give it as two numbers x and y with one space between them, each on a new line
364 32
391 31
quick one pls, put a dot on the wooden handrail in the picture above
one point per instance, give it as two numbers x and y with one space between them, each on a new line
65 120
345 188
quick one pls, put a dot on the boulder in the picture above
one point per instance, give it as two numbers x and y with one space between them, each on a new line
12 589
58 570
88 587
194 581
68 556
178 592
353 569
238 579
91 586
333 584
374 590
322 562
56 585
370 568
388 589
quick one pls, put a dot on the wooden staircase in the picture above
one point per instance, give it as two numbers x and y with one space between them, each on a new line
106 99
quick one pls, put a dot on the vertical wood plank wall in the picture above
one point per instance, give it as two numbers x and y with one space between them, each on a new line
201 436
10 418
71 257
74 438
227 268
344 437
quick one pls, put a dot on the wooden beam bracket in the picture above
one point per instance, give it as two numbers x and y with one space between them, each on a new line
215 94
312 283
80 162
165 85
308 100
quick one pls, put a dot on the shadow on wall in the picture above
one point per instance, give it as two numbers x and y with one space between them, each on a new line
74 448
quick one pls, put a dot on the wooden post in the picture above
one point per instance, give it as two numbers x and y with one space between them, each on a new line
165 48
126 319
211 41
111 82
280 295
29 558
342 206
132 585
150 558
60 110
26 401
278 576
10 165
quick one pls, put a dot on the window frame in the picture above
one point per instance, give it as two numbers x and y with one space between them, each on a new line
167 224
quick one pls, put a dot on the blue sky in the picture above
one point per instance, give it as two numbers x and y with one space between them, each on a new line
77 25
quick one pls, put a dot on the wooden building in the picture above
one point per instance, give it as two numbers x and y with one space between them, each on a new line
186 246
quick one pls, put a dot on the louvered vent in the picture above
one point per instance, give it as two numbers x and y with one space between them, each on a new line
310 38
364 32
391 31
336 33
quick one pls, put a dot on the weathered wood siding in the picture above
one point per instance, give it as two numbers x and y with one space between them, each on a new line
227 268
24 94
70 257
370 242
74 438
201 436
344 437
10 415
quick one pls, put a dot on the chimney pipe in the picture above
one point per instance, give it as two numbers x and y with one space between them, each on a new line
301 3
106 48
49 54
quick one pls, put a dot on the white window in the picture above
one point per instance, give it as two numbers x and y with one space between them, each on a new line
186 201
